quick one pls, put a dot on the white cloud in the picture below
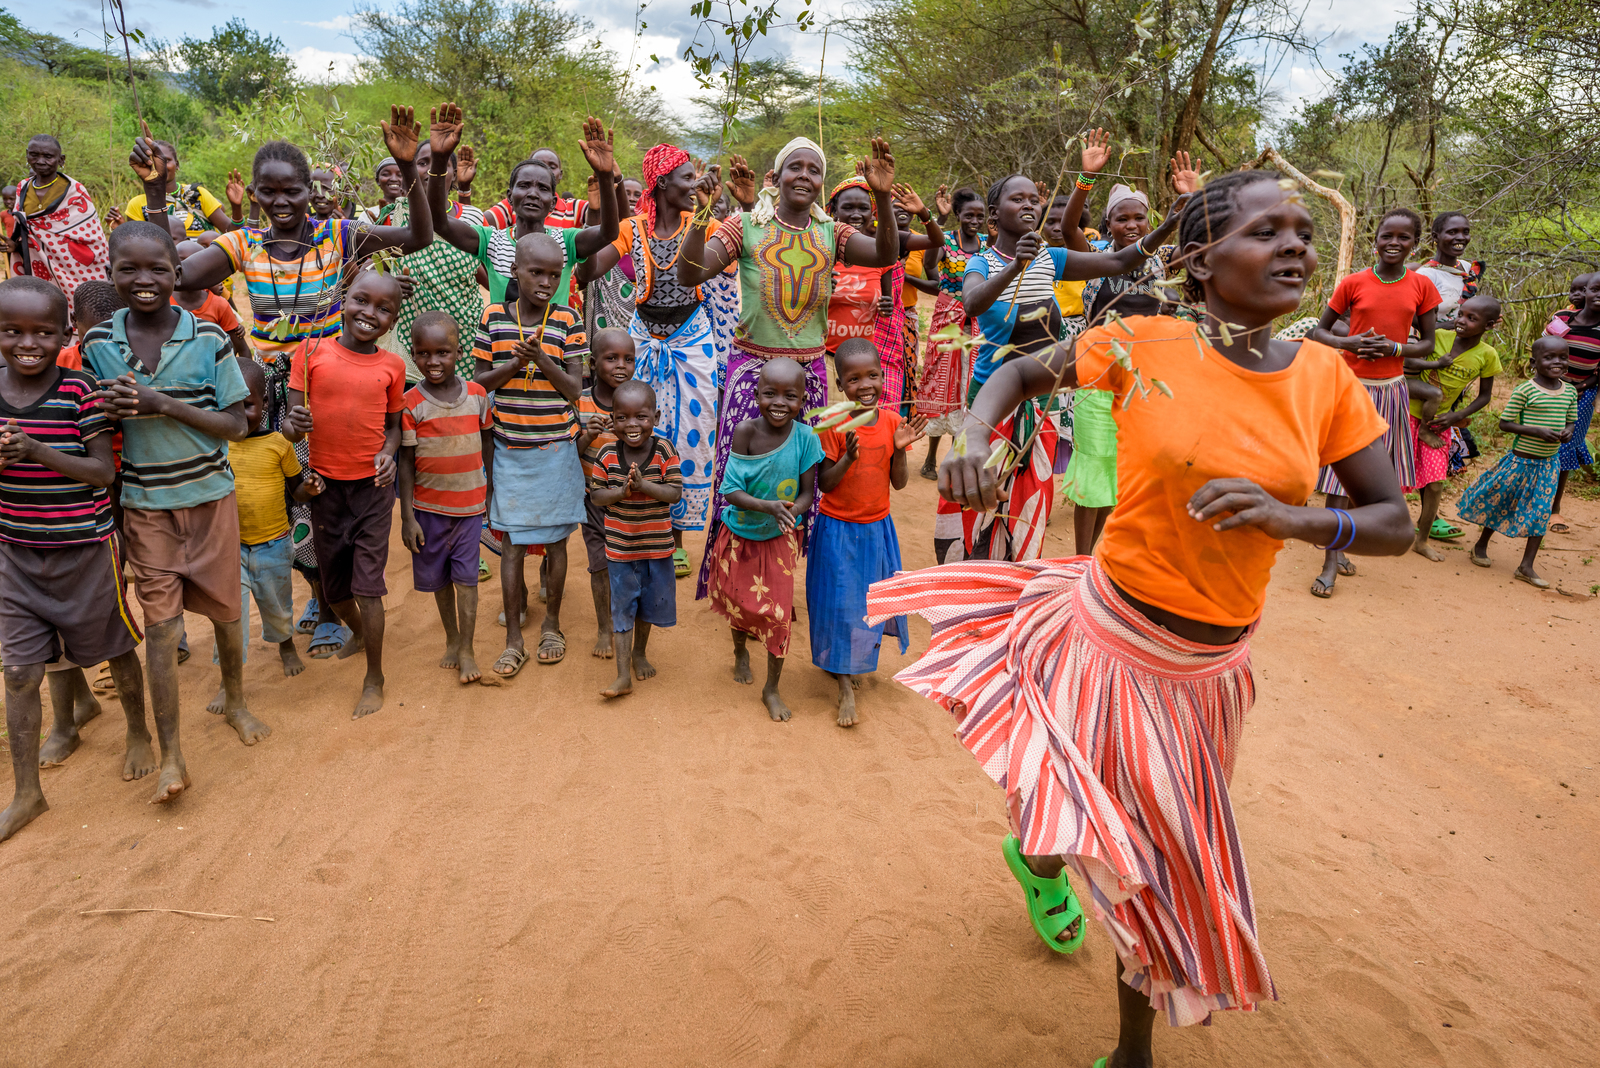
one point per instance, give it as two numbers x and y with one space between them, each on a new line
338 25
319 65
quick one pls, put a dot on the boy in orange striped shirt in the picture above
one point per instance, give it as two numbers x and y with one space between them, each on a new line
444 429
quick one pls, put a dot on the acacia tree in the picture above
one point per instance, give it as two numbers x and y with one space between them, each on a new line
233 67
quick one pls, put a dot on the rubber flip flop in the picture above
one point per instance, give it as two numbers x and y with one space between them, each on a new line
1043 895
1345 568
1560 528
328 639
514 659
680 563
1320 589
307 623
1443 531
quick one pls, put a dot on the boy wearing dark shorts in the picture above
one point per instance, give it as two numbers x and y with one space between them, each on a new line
60 575
172 381
355 391
443 431
612 353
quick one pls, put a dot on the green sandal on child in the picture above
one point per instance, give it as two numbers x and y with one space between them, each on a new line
1045 895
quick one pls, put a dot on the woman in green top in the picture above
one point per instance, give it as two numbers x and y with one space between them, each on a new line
533 192
785 249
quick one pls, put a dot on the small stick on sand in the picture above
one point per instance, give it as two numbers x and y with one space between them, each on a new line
180 912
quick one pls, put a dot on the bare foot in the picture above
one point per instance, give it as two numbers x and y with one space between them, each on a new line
450 659
741 667
642 668
217 703
351 647
58 747
20 813
174 781
775 706
1422 548
292 664
1429 438
623 685
251 730
847 706
141 759
602 647
469 669
84 711
371 700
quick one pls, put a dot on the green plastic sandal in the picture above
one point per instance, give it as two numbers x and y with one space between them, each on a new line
1444 531
1043 895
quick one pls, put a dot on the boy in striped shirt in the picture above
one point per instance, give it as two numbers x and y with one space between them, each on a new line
642 484
444 430
60 577
173 383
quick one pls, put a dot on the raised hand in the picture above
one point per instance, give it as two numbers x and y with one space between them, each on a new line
593 192
878 169
235 189
401 133
907 198
942 201
769 180
466 167
741 180
1185 173
1096 151
146 160
910 431
444 133
596 146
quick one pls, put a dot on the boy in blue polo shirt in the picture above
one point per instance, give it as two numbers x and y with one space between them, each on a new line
172 382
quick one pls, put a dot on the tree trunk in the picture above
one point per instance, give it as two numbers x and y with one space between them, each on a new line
1189 117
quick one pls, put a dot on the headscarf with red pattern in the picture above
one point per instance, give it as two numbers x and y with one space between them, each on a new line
659 162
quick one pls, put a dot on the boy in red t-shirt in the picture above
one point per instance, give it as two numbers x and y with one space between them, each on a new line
854 543
357 391
212 306
443 431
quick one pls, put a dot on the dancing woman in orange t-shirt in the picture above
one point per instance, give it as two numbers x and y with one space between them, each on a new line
1108 694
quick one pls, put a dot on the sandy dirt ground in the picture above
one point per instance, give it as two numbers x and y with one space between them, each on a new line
533 876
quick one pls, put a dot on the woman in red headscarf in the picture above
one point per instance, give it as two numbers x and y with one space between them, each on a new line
673 328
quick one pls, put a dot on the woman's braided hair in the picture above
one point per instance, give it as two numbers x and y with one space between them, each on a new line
1209 218
281 152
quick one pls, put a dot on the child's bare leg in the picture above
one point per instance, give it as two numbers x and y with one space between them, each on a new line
1555 502
24 718
624 653
72 704
1136 1020
600 589
1480 550
161 661
367 614
769 693
128 676
446 600
741 659
1432 495
1430 395
642 668
466 627
513 593
230 657
847 699
544 575
1530 551
555 578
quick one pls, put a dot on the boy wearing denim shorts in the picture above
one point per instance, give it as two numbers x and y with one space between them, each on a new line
264 467
443 429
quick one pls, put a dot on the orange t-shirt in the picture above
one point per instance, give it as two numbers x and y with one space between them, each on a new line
70 359
863 495
214 309
350 396
1275 428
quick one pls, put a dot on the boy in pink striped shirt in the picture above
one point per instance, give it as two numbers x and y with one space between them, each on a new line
444 429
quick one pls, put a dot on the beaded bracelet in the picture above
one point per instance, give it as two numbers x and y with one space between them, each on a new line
1086 181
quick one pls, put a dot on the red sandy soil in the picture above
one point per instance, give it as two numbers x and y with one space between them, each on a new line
533 876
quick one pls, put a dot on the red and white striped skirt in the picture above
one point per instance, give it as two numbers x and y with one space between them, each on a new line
1114 740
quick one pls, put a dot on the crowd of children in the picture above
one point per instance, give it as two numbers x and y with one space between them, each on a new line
169 434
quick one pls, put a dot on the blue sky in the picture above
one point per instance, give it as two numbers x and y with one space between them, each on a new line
316 33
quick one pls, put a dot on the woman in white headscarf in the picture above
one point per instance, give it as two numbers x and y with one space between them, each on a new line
785 249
